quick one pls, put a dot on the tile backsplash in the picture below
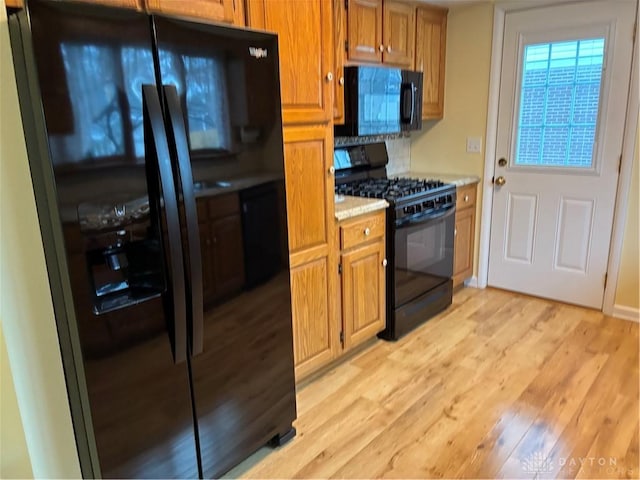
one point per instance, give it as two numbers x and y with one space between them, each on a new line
399 151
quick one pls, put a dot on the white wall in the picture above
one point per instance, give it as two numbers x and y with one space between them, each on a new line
26 311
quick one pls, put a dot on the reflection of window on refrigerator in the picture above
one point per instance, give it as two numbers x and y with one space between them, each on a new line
207 106
105 92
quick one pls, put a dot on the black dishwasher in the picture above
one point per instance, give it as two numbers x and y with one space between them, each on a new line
261 220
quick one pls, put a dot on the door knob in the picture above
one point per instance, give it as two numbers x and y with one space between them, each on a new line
381 48
388 48
329 76
500 181
502 162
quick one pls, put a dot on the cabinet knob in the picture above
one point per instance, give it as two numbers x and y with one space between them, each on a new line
332 169
384 262
381 48
367 231
455 232
466 198
388 48
329 76
341 80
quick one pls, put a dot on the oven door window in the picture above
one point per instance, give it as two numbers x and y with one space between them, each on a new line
423 257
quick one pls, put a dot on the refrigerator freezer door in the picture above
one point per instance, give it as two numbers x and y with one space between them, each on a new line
85 66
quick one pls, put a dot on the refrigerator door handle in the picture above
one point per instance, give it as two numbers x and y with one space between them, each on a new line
158 164
178 133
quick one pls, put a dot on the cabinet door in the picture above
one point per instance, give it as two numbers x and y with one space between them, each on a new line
431 36
339 35
463 249
364 30
308 152
134 4
305 43
227 255
363 293
315 331
399 34
308 155
216 10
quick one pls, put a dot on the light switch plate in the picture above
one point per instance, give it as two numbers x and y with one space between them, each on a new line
474 144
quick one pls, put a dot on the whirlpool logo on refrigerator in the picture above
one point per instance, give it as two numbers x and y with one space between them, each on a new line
258 52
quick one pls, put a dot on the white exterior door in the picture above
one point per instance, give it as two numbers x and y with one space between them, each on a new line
563 97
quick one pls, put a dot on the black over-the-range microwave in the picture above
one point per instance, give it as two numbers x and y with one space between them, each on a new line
381 100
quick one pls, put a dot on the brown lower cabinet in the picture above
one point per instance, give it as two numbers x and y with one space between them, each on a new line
363 265
221 246
464 233
321 334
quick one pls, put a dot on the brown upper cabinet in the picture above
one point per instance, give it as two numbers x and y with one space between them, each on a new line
339 37
228 11
305 42
217 10
431 37
134 4
380 32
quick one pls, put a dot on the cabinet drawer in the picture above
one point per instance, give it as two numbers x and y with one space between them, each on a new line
361 229
466 196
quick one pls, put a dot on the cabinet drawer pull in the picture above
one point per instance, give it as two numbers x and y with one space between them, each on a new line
466 198
384 262
367 231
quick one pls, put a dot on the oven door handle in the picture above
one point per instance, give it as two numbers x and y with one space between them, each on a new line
426 217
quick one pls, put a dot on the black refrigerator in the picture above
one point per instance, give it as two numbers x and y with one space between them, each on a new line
155 147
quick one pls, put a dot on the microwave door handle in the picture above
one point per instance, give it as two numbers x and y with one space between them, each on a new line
407 88
178 136
158 165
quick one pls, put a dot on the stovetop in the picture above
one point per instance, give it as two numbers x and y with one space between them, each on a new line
390 189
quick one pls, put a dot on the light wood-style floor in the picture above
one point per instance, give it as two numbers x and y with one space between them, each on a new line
499 386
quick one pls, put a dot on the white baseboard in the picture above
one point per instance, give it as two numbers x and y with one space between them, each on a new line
626 313
471 282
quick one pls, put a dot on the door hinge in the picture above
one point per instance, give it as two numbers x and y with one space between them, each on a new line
339 269
342 337
346 46
606 275
633 34
620 163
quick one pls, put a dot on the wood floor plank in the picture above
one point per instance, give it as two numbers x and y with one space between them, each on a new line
499 385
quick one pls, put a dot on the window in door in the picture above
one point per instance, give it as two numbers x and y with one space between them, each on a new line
559 100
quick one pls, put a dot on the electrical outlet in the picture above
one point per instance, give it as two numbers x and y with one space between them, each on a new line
474 144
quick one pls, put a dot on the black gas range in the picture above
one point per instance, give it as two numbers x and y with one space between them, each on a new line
420 234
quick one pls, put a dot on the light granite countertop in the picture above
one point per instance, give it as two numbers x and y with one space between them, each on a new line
353 206
459 180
